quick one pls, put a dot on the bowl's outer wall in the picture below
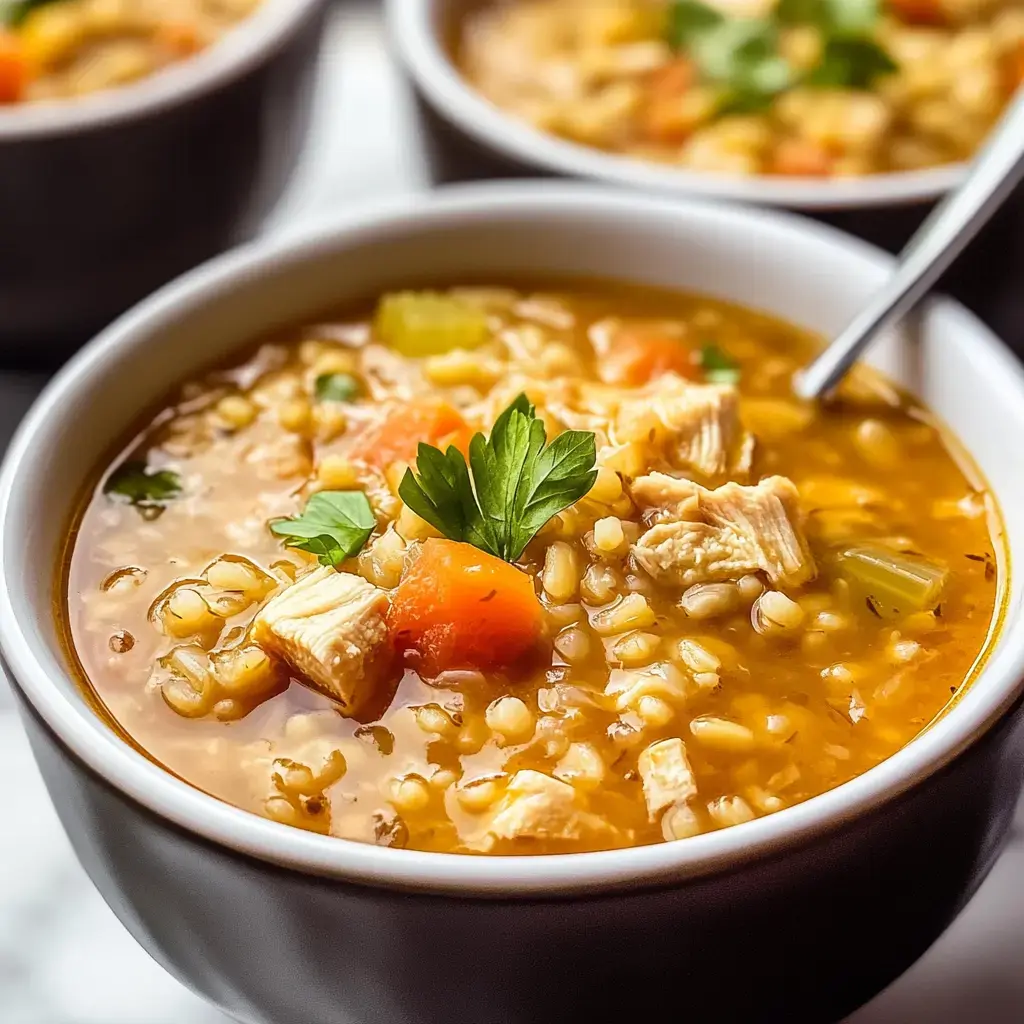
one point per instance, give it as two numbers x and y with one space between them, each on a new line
91 221
979 279
808 937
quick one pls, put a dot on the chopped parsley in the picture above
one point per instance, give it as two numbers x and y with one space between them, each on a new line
742 56
718 366
336 387
133 482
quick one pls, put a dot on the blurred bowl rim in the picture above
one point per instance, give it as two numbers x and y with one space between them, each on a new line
413 27
242 48
991 694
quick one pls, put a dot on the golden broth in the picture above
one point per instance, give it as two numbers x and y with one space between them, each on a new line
774 700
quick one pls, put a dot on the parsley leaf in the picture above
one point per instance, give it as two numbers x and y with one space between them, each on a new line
851 64
133 482
336 387
851 58
739 54
687 19
514 483
334 526
718 366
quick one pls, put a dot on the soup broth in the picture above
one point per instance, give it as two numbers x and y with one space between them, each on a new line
712 602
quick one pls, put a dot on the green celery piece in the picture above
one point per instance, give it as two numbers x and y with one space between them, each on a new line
427 323
892 583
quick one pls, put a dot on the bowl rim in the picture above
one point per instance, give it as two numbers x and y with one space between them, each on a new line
243 47
411 28
95 744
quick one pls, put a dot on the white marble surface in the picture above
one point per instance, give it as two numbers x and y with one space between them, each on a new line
64 959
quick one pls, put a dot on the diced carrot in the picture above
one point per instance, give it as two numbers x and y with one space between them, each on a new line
461 608
398 437
666 119
180 37
801 158
13 68
639 354
918 12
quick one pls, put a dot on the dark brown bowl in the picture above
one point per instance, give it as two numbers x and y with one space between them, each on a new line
104 199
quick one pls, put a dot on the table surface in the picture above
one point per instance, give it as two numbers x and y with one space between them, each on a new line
64 958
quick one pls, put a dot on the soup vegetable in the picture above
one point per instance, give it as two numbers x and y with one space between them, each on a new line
493 570
811 88
55 49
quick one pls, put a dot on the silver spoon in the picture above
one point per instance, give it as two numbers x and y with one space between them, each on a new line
997 168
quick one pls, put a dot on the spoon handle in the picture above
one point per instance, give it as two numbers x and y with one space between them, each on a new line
998 167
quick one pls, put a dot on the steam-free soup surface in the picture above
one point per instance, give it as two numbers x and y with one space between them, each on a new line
711 602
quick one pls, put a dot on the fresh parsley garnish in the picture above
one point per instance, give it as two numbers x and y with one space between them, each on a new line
718 366
738 54
334 526
336 387
742 55
133 482
851 64
514 483
850 58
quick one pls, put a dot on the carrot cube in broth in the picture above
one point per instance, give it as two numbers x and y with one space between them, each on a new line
459 607
398 437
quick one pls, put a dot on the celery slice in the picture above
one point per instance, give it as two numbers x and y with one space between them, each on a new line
428 323
892 583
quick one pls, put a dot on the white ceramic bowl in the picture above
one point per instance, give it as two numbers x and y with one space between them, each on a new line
277 924
416 28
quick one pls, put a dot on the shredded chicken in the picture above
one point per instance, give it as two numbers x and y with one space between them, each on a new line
329 627
667 776
696 426
536 806
727 533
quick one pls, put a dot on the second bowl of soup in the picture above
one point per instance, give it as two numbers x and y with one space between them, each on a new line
521 600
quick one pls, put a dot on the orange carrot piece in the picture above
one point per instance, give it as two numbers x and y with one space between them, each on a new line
801 158
180 37
665 119
639 354
398 437
461 608
13 68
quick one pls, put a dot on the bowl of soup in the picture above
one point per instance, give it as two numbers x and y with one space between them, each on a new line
464 576
813 105
136 140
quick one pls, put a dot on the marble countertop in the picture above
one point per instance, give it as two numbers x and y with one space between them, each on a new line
64 958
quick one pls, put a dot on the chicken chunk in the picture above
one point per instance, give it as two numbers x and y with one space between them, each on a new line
671 494
536 806
329 627
667 776
729 532
696 427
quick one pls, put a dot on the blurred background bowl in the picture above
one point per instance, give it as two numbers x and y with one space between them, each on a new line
105 198
466 137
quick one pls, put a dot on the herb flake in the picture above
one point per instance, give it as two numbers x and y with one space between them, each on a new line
334 526
512 485
134 483
336 387
719 367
